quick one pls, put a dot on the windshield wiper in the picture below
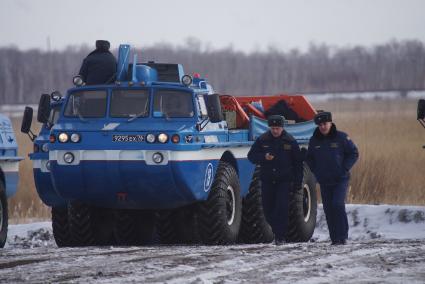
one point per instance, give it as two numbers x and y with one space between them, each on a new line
81 117
141 114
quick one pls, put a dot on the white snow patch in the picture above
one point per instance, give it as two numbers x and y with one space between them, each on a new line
378 221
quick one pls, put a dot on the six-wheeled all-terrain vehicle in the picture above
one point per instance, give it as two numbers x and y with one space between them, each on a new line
158 156
9 165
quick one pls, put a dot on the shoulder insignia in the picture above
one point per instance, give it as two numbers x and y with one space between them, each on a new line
348 138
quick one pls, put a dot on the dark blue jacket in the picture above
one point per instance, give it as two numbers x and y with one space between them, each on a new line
287 165
99 67
332 156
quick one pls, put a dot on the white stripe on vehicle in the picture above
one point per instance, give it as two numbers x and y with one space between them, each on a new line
145 155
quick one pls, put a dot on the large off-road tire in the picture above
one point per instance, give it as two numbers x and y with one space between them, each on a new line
134 227
3 215
178 226
254 227
303 210
90 226
220 214
60 226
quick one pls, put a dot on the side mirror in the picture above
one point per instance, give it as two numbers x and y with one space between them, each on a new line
421 109
214 108
43 109
55 96
26 123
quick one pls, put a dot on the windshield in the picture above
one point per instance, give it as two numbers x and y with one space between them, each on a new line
90 104
170 103
129 103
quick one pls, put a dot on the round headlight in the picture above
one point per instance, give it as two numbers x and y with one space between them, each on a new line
187 80
78 81
48 165
157 158
63 137
150 138
162 137
68 158
45 147
75 137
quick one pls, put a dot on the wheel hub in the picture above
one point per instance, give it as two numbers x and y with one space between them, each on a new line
306 202
230 205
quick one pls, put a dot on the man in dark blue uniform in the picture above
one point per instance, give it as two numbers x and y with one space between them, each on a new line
281 171
100 66
331 154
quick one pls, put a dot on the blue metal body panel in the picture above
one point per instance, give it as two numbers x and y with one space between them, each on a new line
9 159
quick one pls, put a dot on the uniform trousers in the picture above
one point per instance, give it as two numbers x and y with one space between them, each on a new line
276 206
333 199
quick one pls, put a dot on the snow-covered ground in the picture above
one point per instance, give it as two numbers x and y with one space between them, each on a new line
387 244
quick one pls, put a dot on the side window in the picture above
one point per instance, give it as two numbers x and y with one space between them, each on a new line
202 106
54 115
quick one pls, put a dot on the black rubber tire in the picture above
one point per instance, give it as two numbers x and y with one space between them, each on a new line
303 210
4 217
178 226
60 227
254 227
134 227
90 226
219 223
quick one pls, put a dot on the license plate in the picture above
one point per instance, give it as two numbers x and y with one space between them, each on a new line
128 138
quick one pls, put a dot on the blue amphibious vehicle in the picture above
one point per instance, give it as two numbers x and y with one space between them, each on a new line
158 156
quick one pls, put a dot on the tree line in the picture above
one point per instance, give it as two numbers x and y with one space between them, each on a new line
396 65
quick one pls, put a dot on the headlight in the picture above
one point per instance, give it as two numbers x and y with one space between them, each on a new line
48 165
150 138
78 81
157 158
63 137
45 147
162 137
75 137
68 158
187 80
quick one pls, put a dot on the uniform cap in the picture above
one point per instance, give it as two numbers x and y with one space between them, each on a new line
102 44
275 120
323 117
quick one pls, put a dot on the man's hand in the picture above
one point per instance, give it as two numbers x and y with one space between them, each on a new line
269 157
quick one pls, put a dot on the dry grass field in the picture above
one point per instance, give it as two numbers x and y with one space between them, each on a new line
390 169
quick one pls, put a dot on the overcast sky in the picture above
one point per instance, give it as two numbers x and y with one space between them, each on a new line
246 25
